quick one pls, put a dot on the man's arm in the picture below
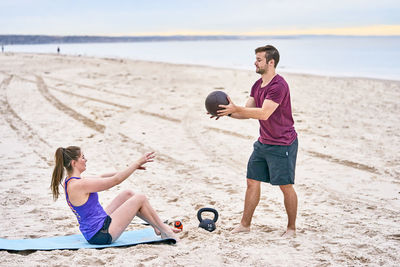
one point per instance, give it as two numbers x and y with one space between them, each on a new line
250 103
249 111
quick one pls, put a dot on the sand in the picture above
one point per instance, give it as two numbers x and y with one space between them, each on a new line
347 176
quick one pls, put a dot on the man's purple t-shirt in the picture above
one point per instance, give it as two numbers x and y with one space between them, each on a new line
278 129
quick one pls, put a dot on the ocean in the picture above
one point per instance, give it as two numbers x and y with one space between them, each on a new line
345 56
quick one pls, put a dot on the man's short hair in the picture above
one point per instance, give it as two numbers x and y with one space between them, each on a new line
270 53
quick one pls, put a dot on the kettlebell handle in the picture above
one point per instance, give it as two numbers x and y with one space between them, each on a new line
205 210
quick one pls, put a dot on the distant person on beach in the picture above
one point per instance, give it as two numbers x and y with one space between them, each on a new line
274 156
103 226
2 48
58 50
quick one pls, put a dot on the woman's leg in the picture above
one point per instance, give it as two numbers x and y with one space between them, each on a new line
120 199
124 213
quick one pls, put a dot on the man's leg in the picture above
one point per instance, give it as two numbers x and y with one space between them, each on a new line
251 201
290 201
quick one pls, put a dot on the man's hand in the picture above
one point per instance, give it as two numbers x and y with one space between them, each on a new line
227 109
212 116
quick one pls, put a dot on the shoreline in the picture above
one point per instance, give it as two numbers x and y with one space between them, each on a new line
347 173
210 66
314 67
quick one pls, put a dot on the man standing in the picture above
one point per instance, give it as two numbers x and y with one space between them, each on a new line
274 156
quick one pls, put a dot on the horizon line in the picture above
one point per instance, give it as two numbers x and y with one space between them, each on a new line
206 35
370 31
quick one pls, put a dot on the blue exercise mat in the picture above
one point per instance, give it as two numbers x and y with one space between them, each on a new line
128 238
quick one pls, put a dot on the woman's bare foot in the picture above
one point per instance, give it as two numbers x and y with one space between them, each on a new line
175 230
157 231
169 234
241 229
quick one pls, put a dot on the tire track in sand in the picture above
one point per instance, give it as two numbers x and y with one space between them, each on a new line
112 135
42 87
191 131
89 87
348 163
344 162
24 130
76 95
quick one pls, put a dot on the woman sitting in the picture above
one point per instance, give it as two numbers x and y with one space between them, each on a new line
103 226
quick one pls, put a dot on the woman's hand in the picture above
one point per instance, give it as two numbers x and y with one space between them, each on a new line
148 157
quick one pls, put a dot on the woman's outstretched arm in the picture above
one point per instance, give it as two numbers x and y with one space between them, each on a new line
89 185
104 175
109 174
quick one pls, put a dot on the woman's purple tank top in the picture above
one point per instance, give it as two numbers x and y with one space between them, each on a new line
90 215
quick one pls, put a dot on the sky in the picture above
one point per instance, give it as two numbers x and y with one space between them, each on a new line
200 17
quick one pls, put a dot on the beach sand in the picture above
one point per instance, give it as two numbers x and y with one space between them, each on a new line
347 174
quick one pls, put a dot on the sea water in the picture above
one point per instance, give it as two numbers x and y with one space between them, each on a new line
372 57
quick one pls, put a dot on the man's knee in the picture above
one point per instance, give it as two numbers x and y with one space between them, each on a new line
287 189
253 184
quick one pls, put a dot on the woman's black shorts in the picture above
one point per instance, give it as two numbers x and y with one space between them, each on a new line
102 237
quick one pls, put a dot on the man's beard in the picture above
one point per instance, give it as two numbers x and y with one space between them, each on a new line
260 71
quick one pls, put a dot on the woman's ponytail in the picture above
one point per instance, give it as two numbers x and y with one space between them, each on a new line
63 158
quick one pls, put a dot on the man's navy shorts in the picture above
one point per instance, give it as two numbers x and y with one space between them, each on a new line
273 164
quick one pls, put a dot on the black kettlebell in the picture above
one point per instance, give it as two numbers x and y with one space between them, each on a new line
207 224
